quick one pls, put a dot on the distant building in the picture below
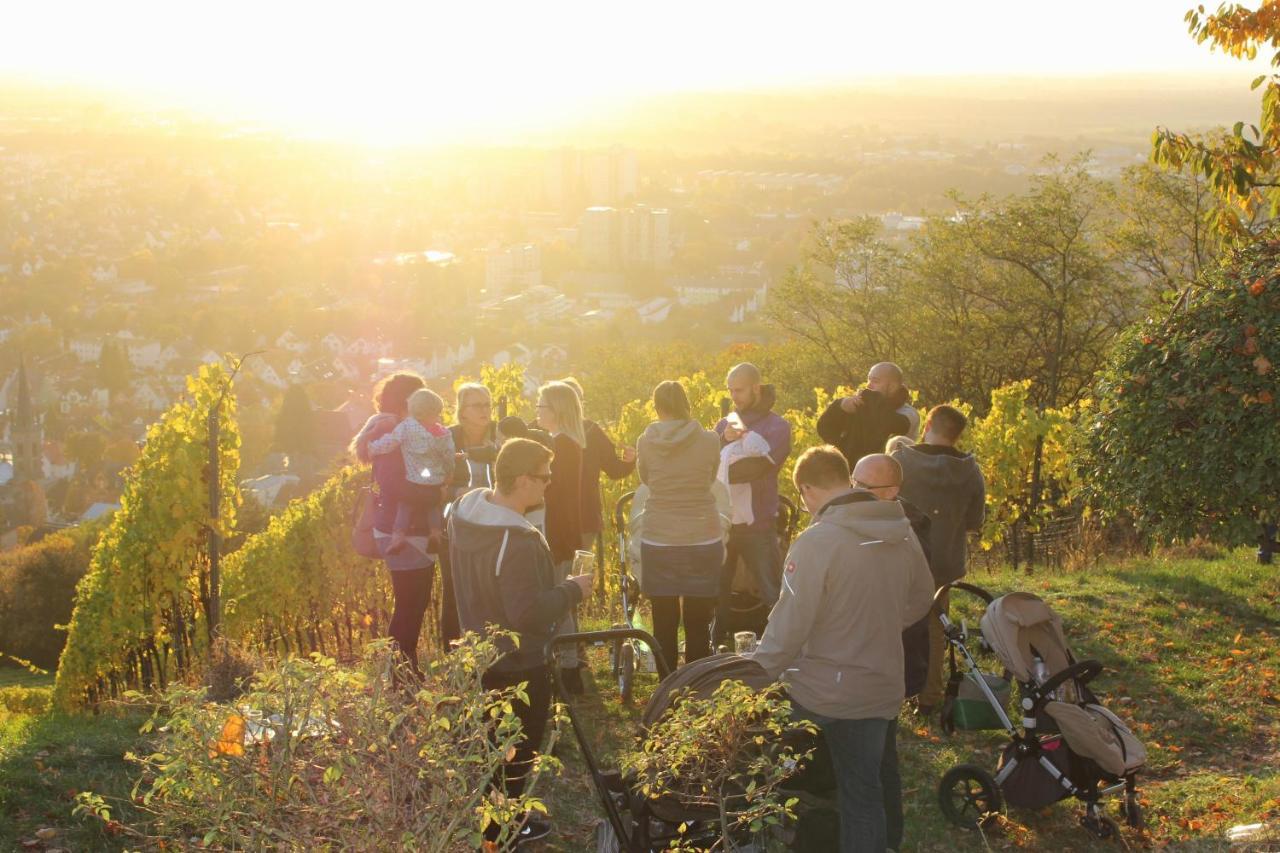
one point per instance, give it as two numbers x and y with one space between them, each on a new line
598 237
512 269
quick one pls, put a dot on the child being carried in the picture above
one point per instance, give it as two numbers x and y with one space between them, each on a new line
427 448
751 444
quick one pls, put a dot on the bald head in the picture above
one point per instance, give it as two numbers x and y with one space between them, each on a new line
743 383
744 372
885 377
879 474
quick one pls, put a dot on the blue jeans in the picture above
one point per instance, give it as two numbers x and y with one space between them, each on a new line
758 549
864 754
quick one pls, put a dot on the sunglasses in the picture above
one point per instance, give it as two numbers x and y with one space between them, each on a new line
868 486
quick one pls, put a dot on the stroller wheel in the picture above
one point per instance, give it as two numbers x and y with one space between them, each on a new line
968 795
626 671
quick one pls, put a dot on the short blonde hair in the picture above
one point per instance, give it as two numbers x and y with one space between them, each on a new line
425 404
898 442
567 408
465 392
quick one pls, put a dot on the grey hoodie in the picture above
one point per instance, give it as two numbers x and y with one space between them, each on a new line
947 486
503 575
852 581
678 460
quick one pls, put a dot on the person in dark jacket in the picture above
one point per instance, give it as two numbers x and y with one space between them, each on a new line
947 486
599 456
560 414
476 441
682 538
756 544
860 425
504 575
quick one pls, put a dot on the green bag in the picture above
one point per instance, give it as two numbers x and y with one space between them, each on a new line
971 711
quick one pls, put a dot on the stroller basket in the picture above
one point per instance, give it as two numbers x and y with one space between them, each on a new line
970 711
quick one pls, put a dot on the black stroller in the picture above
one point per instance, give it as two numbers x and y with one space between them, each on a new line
638 824
1068 745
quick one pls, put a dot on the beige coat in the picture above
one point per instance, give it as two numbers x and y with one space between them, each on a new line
851 583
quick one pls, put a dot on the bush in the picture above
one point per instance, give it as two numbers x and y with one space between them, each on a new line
37 590
727 755
31 701
317 755
1185 436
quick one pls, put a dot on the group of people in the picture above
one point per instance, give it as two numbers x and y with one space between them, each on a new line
853 628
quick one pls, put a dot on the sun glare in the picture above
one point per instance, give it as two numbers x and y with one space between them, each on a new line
389 71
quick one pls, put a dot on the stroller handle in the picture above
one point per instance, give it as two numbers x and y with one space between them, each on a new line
966 587
620 510
605 637
1084 672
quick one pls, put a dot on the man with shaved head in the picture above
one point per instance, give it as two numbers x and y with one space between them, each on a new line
755 543
879 476
859 425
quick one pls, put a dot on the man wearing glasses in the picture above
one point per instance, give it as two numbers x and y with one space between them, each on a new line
503 575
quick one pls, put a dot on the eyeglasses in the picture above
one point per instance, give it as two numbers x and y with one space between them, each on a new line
545 478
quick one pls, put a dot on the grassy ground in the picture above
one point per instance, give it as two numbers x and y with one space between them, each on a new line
1191 653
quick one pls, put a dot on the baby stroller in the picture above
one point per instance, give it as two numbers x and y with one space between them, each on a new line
1068 745
636 823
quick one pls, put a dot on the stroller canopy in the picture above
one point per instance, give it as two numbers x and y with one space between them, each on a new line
701 678
1019 626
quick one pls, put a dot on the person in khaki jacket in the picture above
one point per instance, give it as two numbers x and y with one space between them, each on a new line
852 581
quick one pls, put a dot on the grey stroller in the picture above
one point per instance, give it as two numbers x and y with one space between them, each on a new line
1068 745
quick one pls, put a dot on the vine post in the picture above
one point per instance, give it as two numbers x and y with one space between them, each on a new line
215 500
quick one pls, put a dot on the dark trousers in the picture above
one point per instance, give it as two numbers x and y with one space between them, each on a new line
697 612
758 550
450 628
533 720
411 594
864 754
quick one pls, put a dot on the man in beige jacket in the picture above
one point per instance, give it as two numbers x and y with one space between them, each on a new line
852 581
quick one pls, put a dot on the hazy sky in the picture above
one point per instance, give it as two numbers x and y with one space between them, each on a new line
398 67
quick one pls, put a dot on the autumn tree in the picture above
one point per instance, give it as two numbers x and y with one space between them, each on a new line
1241 166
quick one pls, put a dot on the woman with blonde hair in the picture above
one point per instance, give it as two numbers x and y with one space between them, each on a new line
560 414
476 442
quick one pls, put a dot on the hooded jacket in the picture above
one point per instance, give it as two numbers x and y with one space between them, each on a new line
947 486
503 575
866 429
852 582
678 460
762 472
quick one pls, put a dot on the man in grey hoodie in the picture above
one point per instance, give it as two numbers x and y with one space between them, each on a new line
503 575
947 486
852 581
